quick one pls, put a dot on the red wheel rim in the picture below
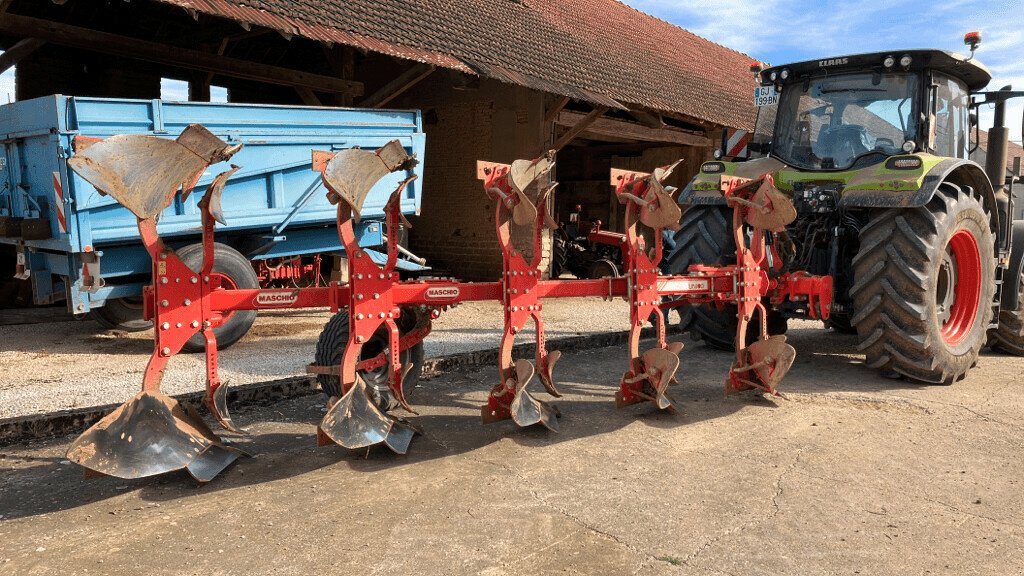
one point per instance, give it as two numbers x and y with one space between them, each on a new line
965 258
218 280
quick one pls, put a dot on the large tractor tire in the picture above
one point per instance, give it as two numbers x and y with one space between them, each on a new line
235 271
121 314
924 281
705 237
1009 336
331 345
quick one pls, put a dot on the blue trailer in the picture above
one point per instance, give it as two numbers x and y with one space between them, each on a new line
74 244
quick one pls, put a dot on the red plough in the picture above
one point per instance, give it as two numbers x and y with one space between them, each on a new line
152 434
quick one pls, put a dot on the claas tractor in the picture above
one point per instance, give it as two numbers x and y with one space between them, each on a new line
874 151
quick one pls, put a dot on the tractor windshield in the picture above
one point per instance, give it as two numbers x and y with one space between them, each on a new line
830 123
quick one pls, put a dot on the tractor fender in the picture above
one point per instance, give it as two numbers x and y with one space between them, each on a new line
1008 291
689 196
955 170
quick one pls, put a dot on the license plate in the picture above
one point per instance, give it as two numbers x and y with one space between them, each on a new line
766 96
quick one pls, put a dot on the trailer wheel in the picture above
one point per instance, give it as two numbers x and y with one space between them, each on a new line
235 271
923 284
1009 336
331 345
121 314
705 237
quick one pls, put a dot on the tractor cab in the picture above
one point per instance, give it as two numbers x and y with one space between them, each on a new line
856 111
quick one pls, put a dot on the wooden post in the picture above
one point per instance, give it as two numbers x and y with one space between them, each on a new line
580 126
15 53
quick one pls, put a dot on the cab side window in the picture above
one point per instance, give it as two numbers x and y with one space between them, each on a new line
949 128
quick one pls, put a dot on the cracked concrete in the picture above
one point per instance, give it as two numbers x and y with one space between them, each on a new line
855 474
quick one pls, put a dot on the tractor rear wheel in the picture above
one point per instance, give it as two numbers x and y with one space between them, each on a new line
705 237
923 281
331 345
235 272
1009 336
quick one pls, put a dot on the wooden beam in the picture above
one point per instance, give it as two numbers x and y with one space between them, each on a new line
15 53
552 113
104 42
580 124
398 86
308 97
648 119
612 128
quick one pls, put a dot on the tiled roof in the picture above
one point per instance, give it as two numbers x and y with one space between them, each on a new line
600 51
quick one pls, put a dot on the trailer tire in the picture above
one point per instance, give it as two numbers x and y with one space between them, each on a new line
331 345
923 284
705 237
237 270
1009 336
121 314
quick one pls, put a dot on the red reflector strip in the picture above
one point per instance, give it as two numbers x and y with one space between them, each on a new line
58 192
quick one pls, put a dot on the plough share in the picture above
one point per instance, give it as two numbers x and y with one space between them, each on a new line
153 434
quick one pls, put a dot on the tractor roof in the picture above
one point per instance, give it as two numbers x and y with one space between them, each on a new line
972 72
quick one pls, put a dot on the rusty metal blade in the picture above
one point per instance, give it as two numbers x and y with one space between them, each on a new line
352 173
772 359
524 213
356 422
211 200
527 410
522 173
144 172
148 435
547 373
661 211
663 364
217 402
778 210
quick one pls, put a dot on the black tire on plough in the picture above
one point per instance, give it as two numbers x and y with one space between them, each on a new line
1008 337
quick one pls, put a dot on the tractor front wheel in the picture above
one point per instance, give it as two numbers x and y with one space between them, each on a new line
923 281
705 237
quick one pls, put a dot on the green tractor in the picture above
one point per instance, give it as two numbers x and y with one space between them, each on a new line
918 239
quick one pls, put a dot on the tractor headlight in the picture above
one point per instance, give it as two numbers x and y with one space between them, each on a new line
784 74
713 168
909 146
773 76
889 62
906 60
904 163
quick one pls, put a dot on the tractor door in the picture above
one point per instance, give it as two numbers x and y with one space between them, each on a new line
949 124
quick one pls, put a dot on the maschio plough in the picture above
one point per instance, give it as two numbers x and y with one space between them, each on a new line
152 433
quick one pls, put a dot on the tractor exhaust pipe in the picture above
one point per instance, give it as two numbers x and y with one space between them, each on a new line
998 139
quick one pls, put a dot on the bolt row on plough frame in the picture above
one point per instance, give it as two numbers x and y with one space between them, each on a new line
152 433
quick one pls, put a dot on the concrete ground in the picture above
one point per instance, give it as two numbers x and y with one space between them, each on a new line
853 474
72 364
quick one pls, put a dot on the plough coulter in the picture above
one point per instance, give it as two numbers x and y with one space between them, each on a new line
381 320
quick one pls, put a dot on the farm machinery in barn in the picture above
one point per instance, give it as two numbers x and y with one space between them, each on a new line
910 248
